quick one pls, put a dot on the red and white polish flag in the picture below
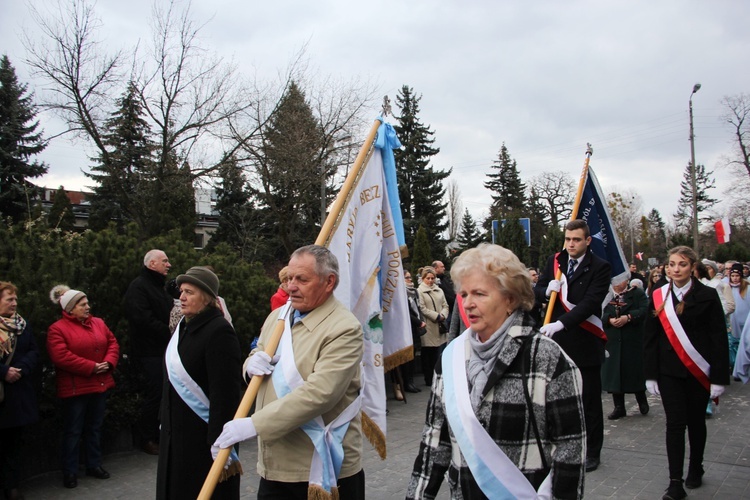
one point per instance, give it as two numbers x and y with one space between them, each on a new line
722 230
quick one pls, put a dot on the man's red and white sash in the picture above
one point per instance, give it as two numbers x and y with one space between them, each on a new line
690 357
592 324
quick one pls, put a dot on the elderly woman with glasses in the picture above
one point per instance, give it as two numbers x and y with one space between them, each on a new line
483 426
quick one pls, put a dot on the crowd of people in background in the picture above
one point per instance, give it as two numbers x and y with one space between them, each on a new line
496 321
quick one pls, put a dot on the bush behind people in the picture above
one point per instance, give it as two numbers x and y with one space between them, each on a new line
103 263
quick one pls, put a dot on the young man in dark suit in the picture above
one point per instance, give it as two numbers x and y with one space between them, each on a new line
574 322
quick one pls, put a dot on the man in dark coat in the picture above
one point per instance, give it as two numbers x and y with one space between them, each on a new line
588 278
446 285
635 275
147 308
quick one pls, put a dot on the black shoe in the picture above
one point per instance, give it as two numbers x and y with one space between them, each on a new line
675 491
97 472
592 464
694 478
618 413
643 406
410 387
70 480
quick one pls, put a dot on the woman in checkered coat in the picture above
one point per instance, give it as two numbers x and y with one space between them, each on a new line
494 437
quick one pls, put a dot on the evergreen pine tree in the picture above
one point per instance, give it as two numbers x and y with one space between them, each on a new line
551 244
469 236
511 237
657 236
703 182
170 199
421 256
291 172
537 227
19 141
420 186
61 213
123 172
238 220
507 191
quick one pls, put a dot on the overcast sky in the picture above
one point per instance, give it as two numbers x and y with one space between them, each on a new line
545 77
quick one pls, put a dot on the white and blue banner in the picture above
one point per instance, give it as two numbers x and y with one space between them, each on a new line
367 241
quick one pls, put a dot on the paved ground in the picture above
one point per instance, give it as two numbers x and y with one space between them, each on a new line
634 462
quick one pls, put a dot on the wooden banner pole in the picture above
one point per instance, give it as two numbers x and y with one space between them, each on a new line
212 479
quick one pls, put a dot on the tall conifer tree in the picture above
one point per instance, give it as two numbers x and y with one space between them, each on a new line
123 172
703 181
239 225
420 186
507 191
291 169
420 256
19 141
511 237
469 236
61 213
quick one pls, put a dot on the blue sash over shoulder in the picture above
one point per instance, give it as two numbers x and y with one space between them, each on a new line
187 388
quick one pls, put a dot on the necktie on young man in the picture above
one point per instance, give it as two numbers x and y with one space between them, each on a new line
571 268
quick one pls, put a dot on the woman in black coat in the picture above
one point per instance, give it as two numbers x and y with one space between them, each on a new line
18 359
686 362
204 348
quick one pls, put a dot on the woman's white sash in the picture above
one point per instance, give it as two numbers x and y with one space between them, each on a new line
493 471
184 385
328 440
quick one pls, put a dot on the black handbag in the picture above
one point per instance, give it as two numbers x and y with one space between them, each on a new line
442 325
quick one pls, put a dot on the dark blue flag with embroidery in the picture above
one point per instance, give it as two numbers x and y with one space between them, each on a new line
604 242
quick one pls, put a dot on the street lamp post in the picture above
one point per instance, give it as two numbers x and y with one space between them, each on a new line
693 169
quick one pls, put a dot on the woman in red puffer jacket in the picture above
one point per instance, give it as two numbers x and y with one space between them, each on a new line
84 352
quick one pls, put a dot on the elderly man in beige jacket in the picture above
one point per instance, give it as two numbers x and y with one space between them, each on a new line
307 412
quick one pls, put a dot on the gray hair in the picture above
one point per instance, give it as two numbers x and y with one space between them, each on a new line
512 278
151 256
325 262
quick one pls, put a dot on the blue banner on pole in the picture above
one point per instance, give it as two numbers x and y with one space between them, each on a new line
604 242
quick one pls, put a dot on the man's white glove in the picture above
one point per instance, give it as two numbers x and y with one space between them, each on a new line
215 452
552 328
235 431
652 386
554 286
261 363
716 391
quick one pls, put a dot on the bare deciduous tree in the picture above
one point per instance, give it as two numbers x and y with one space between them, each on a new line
738 116
626 210
555 192
84 79
189 94
455 210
